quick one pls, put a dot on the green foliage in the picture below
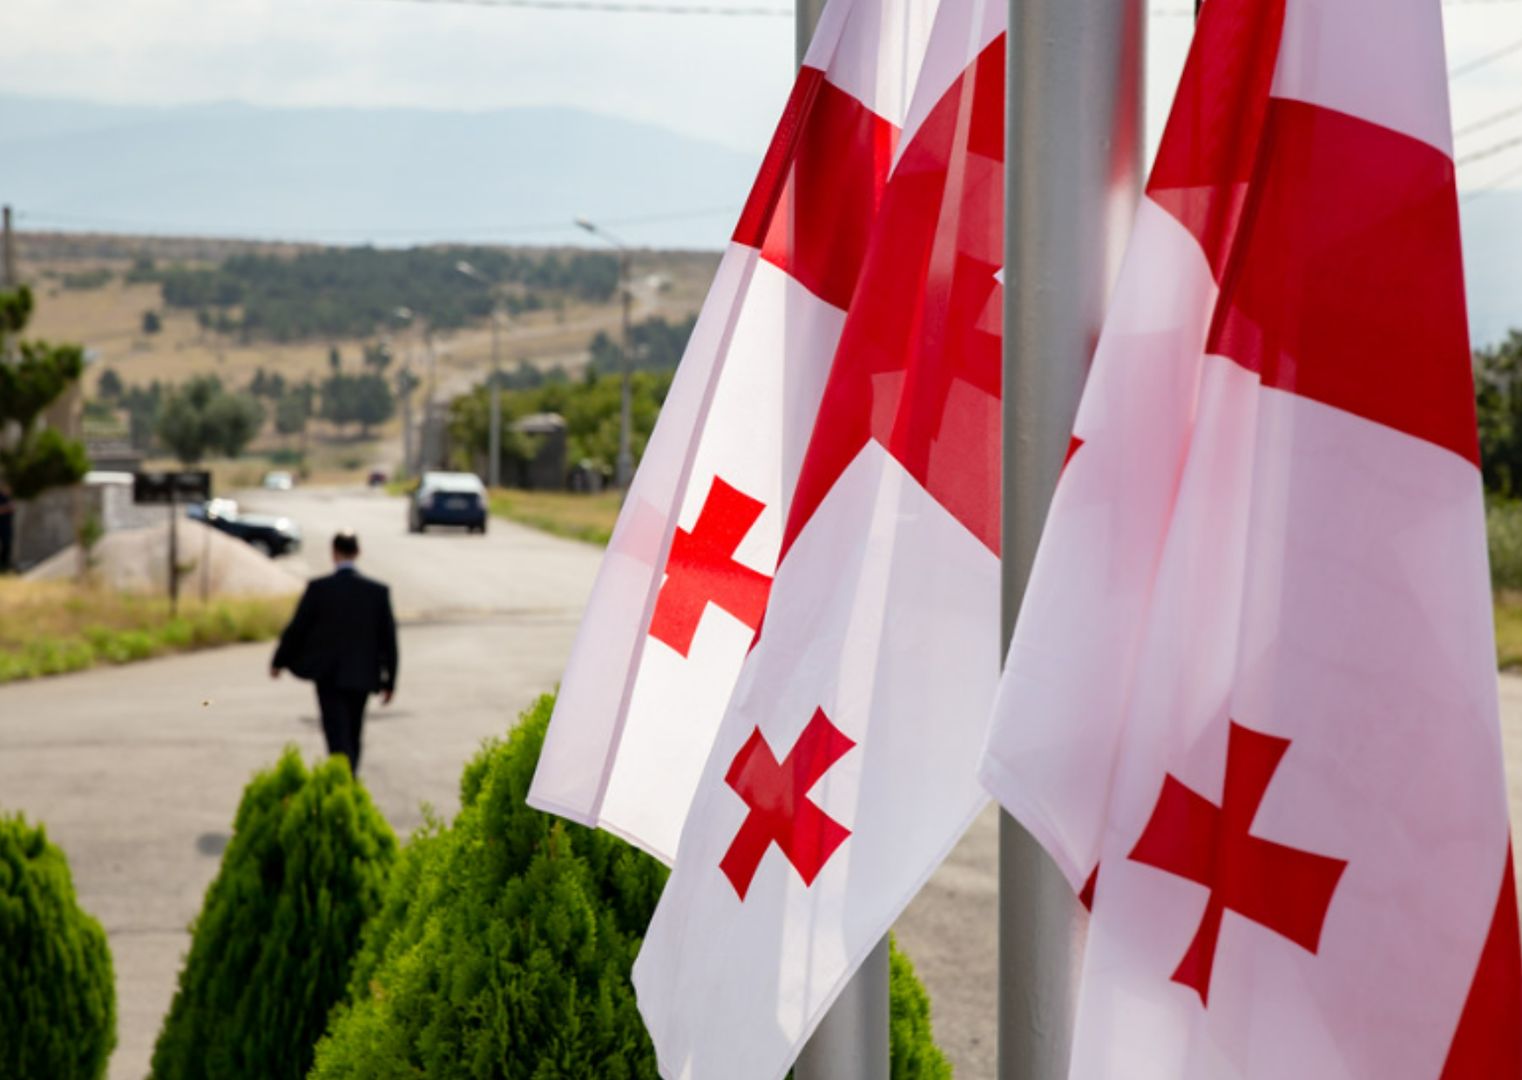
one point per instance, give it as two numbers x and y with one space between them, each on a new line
357 399
272 949
82 280
152 323
109 386
50 634
657 346
47 459
356 292
1498 402
57 991
33 375
1503 529
200 418
591 411
504 946
294 409
912 1052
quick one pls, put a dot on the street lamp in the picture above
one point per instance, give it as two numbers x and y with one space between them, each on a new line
494 438
624 469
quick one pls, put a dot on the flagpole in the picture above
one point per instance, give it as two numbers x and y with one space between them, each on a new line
851 1042
1072 177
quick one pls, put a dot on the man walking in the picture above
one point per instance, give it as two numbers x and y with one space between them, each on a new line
343 638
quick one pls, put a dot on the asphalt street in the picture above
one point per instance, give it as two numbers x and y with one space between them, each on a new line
137 770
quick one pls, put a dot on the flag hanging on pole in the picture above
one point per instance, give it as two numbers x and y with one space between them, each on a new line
1250 705
846 765
681 592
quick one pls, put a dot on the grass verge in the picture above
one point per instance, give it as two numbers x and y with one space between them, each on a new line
588 518
49 628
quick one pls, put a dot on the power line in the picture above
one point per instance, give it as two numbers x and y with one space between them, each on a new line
618 6
1492 184
1486 60
1490 151
1485 122
45 217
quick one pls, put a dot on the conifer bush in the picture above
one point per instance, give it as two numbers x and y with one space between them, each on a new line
504 947
273 947
57 989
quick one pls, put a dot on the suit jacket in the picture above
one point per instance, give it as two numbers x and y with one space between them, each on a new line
343 634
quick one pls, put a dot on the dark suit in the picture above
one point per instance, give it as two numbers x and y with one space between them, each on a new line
343 638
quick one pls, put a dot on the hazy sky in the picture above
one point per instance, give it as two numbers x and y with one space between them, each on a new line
722 78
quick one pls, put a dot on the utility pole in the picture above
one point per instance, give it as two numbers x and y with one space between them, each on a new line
851 1042
494 392
624 467
1073 169
8 251
494 439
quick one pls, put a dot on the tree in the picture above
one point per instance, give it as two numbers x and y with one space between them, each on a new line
365 400
32 458
335 359
152 324
1498 404
377 357
57 994
201 418
294 410
109 386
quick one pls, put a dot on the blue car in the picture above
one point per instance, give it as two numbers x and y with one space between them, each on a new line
448 498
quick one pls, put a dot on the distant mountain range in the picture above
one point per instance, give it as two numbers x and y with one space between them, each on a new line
405 176
385 176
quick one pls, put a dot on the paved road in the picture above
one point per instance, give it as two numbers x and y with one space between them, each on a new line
137 770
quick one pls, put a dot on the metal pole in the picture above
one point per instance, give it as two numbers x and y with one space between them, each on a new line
174 557
7 250
625 469
494 443
851 1042
1073 169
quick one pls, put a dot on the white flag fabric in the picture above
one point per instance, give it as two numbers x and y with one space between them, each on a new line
1250 706
846 765
685 581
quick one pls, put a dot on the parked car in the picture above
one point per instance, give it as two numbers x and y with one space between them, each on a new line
265 532
376 478
279 481
448 498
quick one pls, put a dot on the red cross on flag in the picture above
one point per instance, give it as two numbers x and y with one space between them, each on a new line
1250 706
685 581
845 767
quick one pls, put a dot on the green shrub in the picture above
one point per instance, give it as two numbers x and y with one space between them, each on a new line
505 942
57 990
913 1054
1503 528
272 949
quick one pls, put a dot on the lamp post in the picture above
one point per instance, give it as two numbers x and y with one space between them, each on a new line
624 469
494 437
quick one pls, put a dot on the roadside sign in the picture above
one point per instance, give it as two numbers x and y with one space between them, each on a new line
165 488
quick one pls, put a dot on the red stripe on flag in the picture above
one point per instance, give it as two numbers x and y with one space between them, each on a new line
1211 143
817 194
918 365
1489 1038
1345 283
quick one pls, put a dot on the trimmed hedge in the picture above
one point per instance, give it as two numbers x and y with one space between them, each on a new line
273 947
505 943
57 988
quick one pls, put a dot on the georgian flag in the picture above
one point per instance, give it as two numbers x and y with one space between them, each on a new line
846 765
686 578
1250 704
